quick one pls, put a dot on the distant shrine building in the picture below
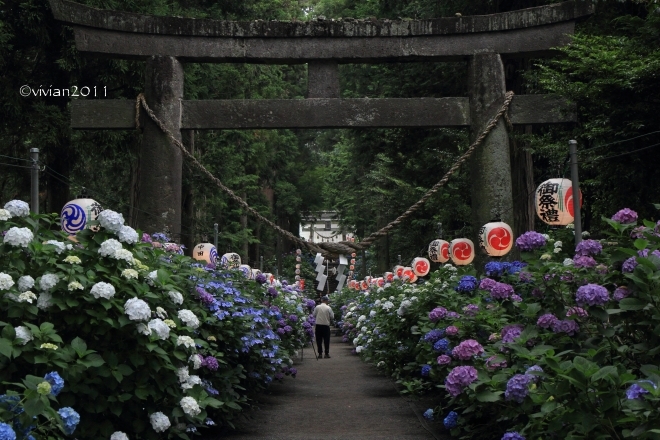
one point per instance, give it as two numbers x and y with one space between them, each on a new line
324 227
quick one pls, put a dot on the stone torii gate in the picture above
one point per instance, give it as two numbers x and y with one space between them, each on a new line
167 42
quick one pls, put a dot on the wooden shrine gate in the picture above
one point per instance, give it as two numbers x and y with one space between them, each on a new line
167 42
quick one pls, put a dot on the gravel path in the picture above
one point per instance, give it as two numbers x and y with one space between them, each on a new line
340 398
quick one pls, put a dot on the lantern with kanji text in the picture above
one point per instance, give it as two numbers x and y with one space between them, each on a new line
205 252
439 251
554 202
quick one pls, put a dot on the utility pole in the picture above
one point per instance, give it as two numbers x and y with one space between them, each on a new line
577 222
34 172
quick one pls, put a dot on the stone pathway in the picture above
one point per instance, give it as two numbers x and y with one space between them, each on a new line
340 398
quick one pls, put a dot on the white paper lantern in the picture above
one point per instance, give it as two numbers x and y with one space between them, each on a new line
496 238
439 251
246 270
380 281
364 285
408 274
398 270
205 252
554 201
389 277
297 271
255 272
230 260
421 266
77 214
352 260
461 251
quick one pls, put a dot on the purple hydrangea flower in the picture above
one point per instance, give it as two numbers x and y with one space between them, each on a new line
293 318
437 314
621 292
501 291
567 326
636 391
525 277
638 232
629 265
471 310
588 248
580 261
443 359
453 315
272 292
577 311
281 331
433 335
516 387
492 364
601 269
288 328
537 293
459 378
467 284
516 298
466 349
592 294
645 253
451 330
210 362
625 216
530 241
511 332
546 321
293 371
146 238
534 369
487 284
513 436
261 278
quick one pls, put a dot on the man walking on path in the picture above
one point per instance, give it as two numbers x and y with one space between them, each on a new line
324 315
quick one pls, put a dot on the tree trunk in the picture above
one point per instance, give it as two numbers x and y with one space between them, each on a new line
188 203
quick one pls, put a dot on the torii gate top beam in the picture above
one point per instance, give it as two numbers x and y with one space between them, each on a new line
130 35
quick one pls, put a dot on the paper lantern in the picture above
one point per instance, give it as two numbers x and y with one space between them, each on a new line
353 255
421 266
398 271
298 252
298 259
380 281
554 201
246 270
351 267
297 278
205 252
439 251
297 271
407 273
230 260
255 272
77 214
389 277
496 238
352 260
461 251
364 285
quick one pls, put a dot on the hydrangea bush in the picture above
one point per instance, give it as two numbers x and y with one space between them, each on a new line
564 344
150 343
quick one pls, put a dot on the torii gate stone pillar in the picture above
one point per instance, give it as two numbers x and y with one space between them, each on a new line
160 159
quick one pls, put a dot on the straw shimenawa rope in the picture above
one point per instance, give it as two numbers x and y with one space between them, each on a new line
342 247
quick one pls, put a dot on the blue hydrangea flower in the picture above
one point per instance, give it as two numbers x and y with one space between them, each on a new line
433 335
516 387
441 345
467 284
636 391
428 414
512 436
451 420
55 381
11 403
493 269
426 369
6 432
70 419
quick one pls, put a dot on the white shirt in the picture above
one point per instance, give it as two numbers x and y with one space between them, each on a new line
323 314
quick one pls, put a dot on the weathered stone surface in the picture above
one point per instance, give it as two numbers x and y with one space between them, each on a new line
491 165
530 41
321 113
159 193
75 13
323 79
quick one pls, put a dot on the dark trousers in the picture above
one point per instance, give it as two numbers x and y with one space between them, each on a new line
323 337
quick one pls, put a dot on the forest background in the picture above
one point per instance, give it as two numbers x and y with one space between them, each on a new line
611 72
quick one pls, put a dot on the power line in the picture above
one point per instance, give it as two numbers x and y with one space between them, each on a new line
618 142
15 158
619 155
12 165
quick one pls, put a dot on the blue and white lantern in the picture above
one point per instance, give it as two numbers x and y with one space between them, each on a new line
77 214
205 252
230 260
246 270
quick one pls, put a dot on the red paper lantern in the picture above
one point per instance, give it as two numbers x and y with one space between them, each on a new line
554 201
421 266
389 277
439 251
351 267
496 238
380 281
408 274
398 271
461 251
352 260
364 285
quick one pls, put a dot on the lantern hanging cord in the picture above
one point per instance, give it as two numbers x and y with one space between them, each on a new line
343 247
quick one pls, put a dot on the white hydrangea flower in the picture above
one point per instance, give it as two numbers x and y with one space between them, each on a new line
111 220
380 290
6 281
26 282
189 318
59 246
103 290
183 374
118 435
72 259
196 361
351 309
377 302
570 226
124 254
356 341
143 329
109 247
160 328
129 274
361 318
17 208
568 262
48 281
451 267
558 244
364 329
137 310
387 305
23 334
151 277
18 237
44 300
4 215
161 313
75 285
175 297
545 257
191 382
190 406
127 235
348 315
159 422
359 348
557 250
27 297
585 234
186 341
372 313
170 323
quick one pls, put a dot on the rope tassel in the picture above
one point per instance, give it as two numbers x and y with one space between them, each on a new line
343 247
